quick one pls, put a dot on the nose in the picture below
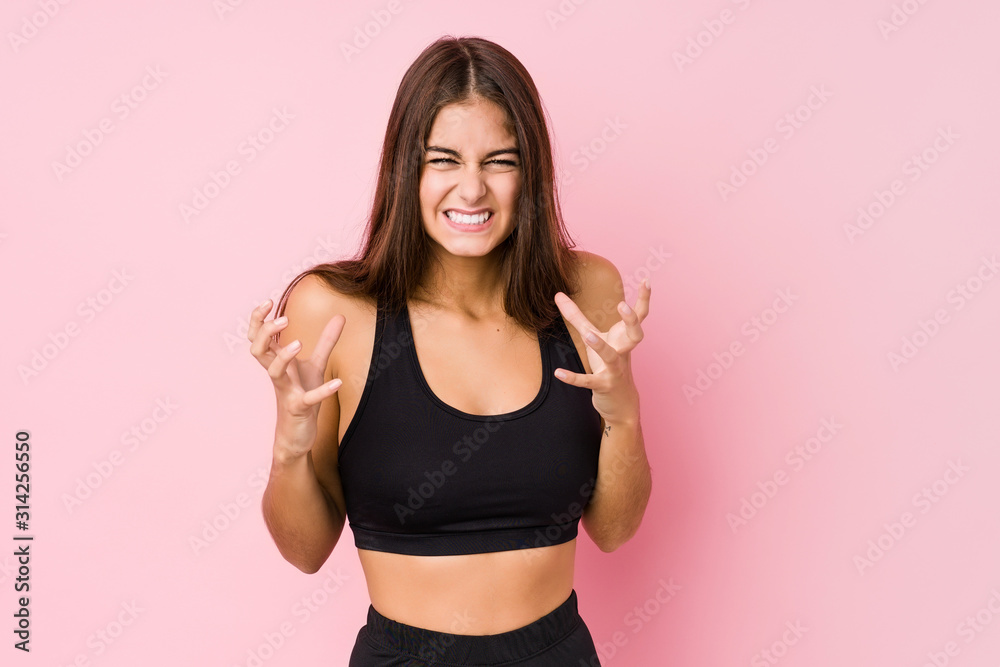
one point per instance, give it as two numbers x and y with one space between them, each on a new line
471 184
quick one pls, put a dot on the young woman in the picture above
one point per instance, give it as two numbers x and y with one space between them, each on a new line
415 387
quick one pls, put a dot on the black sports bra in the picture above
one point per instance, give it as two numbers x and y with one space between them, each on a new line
423 478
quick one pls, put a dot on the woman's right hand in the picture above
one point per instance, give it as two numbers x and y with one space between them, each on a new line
298 385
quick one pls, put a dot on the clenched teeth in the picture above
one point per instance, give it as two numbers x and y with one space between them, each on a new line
463 219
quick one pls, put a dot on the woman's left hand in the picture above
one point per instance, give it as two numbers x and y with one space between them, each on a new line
615 395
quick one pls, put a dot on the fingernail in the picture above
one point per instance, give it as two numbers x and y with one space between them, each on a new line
626 308
267 302
591 337
281 320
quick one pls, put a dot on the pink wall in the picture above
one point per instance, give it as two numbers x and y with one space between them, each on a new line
856 419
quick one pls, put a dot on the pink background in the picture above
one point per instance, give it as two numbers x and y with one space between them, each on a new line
643 141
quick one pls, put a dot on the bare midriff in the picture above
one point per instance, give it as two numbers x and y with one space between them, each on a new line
470 594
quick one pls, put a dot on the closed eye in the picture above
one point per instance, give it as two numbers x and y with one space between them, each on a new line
508 163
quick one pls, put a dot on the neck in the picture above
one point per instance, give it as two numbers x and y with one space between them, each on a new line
467 285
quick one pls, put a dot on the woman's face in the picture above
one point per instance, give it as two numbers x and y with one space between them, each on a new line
472 166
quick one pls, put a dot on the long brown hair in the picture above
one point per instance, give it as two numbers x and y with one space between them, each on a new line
535 259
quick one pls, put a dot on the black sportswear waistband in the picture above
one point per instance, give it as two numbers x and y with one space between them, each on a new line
456 649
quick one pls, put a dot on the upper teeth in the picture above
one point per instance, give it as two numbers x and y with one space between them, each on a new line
468 219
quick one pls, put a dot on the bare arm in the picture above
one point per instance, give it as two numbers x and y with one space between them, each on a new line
624 480
303 503
303 520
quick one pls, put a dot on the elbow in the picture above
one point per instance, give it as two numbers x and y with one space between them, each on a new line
305 563
610 537
610 544
607 546
307 567
606 540
611 540
308 560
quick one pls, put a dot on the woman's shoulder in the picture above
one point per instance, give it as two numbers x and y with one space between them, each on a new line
600 282
592 263
311 303
314 295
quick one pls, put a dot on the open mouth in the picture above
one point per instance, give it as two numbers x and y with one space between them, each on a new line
470 220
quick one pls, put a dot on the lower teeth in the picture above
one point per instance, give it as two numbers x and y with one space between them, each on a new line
470 224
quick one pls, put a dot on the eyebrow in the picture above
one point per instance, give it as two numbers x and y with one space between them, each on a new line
449 151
